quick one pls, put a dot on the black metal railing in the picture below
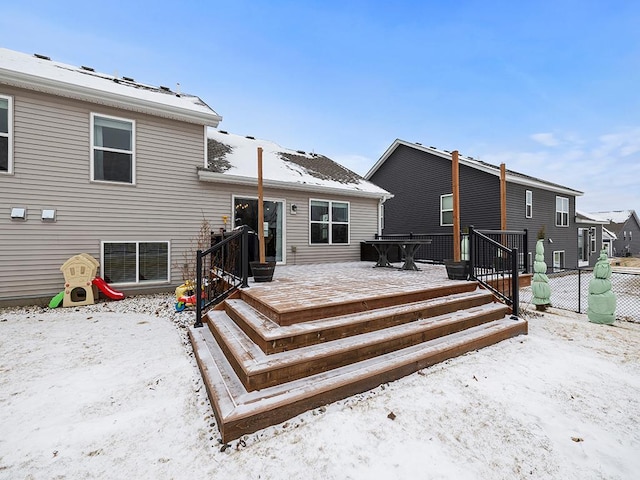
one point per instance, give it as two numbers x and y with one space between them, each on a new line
495 265
221 270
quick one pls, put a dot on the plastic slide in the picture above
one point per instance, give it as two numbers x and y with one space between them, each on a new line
57 300
105 288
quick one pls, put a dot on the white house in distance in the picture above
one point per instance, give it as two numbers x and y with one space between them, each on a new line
123 171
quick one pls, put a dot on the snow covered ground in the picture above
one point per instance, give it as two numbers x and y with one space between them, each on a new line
112 391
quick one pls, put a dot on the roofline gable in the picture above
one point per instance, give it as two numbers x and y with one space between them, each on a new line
511 176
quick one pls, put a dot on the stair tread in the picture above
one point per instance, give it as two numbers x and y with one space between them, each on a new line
233 403
253 360
271 331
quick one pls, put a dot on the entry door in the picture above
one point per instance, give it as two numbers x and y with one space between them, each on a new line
245 212
583 246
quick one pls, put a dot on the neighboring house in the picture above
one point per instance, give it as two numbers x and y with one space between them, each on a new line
608 237
625 226
591 238
420 179
103 165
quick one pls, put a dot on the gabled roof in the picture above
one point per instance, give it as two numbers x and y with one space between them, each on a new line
512 176
608 234
39 73
233 159
582 217
617 218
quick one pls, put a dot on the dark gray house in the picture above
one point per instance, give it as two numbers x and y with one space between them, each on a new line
420 179
626 227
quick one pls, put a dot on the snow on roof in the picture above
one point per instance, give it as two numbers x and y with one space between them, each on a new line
616 216
582 217
38 72
606 233
234 158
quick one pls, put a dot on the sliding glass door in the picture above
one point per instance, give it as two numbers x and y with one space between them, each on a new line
245 211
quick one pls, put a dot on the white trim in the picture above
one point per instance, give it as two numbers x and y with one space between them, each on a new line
283 201
9 134
442 210
207 176
138 282
330 222
562 212
559 267
92 178
492 170
111 99
527 204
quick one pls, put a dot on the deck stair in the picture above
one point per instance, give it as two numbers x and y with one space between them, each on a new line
264 361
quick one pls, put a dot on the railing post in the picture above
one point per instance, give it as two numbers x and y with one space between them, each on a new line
515 283
472 250
525 247
579 290
244 247
198 289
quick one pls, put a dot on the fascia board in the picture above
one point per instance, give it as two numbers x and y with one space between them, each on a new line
207 176
132 103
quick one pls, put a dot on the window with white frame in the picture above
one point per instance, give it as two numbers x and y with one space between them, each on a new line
6 134
562 212
112 149
558 260
528 204
446 210
135 262
328 222
593 238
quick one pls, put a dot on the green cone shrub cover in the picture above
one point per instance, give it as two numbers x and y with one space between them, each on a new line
540 282
602 300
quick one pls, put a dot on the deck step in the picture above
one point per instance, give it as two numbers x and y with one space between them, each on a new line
240 411
273 338
291 311
257 370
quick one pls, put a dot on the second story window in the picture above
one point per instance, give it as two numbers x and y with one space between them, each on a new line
529 204
112 152
6 163
446 210
562 212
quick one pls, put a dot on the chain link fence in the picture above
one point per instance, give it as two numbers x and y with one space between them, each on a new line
570 291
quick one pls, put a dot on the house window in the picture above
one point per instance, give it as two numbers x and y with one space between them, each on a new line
593 240
6 134
135 262
529 204
446 210
329 222
562 212
112 155
558 260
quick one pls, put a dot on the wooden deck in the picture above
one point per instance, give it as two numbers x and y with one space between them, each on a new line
320 333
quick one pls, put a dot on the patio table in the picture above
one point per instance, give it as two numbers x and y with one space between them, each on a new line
408 247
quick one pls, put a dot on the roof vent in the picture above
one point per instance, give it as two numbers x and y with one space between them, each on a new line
224 131
128 79
166 89
418 143
117 80
88 69
250 137
41 57
431 146
302 152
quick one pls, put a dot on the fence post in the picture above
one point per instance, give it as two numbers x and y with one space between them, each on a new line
579 290
198 289
525 249
471 252
515 283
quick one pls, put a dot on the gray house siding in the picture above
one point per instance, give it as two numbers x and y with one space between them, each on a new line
418 178
167 203
628 238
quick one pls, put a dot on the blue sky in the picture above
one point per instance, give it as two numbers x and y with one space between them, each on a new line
551 88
